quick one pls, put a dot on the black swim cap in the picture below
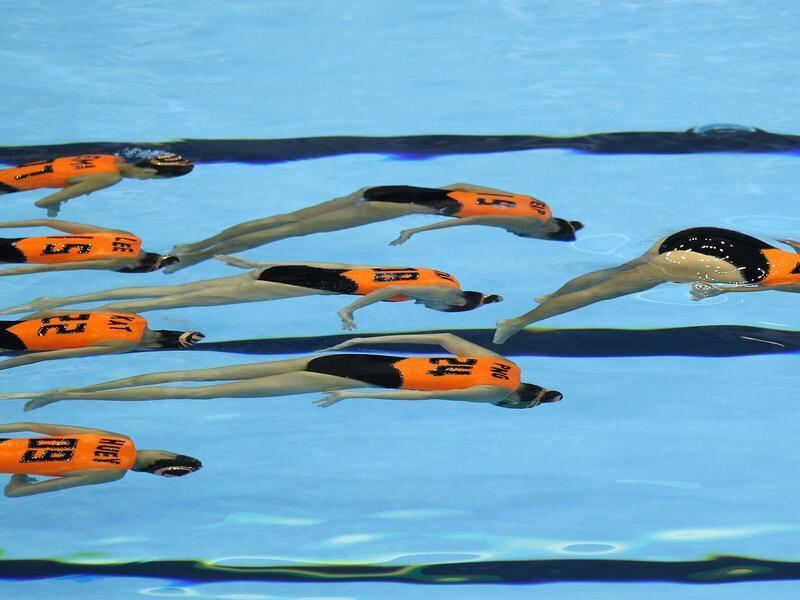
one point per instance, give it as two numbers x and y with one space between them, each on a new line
531 395
178 339
174 467
474 300
167 165
566 230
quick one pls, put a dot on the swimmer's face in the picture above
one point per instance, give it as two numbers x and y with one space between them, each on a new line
528 395
189 338
471 301
165 165
167 464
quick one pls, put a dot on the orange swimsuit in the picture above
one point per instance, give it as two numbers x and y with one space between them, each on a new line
457 373
499 205
76 330
77 248
60 455
56 173
784 267
372 280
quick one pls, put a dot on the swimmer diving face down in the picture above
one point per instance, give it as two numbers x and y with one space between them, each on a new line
703 256
467 204
82 175
471 374
431 288
71 456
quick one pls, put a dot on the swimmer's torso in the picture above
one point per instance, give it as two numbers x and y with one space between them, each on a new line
60 455
756 261
59 249
430 373
56 173
357 281
458 203
70 331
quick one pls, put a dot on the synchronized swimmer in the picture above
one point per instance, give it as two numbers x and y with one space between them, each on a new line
73 456
84 174
523 216
471 374
700 256
433 289
88 247
88 333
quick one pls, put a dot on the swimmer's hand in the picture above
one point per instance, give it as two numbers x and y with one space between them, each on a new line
52 208
16 482
402 238
39 304
235 261
45 398
331 398
348 323
701 290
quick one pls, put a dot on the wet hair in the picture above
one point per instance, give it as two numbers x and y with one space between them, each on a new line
474 300
152 261
167 165
173 467
529 396
566 230
177 339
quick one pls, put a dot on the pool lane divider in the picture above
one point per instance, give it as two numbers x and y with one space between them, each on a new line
708 340
697 140
714 570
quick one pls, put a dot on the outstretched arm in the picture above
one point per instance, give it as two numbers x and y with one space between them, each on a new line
52 429
452 343
95 265
244 263
423 292
480 393
24 485
34 357
59 225
81 187
459 222
793 243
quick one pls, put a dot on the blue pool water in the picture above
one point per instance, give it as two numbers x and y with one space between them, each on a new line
653 459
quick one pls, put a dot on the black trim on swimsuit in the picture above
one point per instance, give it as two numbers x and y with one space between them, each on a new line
315 278
7 189
9 341
9 252
406 194
375 369
739 249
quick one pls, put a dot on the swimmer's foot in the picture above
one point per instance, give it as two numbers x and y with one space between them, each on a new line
42 303
187 248
505 329
702 290
184 260
541 299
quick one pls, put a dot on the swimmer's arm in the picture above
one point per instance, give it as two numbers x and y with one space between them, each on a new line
79 186
452 343
114 347
793 243
52 429
457 222
244 263
111 264
24 485
469 187
418 292
59 225
479 393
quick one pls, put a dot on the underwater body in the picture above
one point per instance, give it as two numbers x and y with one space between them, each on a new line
669 463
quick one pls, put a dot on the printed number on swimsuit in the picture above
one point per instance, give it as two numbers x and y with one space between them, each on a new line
51 249
500 203
60 325
46 167
451 366
50 450
388 275
83 162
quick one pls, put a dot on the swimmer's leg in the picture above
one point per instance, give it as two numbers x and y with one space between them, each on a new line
628 281
591 279
362 213
262 387
273 221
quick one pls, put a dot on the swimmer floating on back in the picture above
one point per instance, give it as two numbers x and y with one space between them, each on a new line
82 175
275 281
699 256
472 374
71 335
523 216
89 247
77 456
